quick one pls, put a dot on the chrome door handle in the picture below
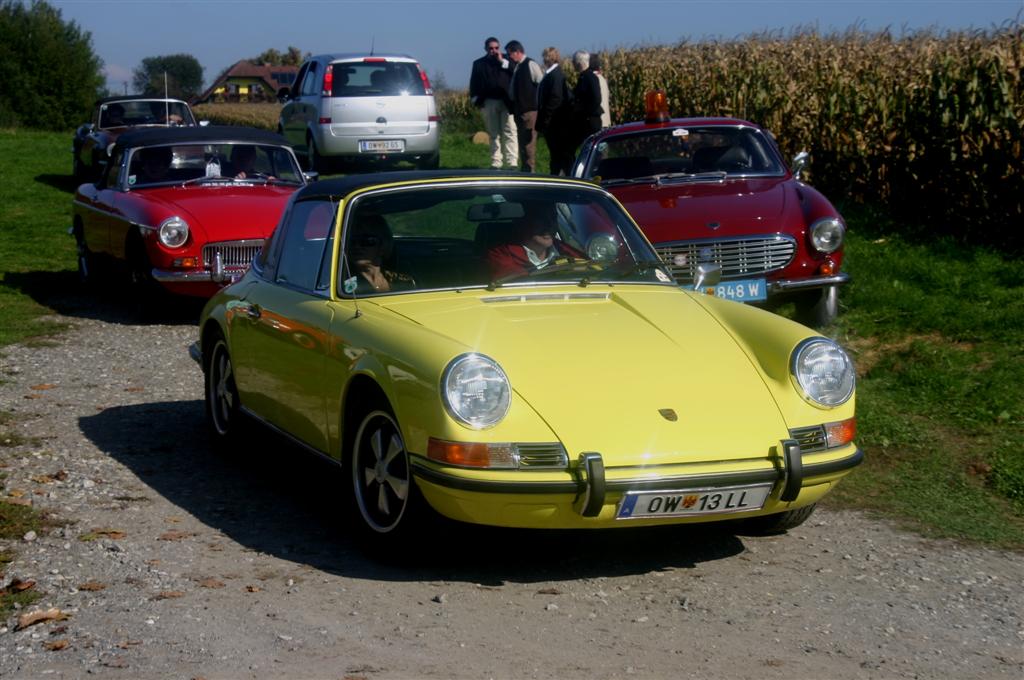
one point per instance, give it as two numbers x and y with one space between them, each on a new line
252 311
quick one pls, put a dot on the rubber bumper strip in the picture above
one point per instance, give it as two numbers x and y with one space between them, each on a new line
792 459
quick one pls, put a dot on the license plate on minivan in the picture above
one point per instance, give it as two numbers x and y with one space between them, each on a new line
379 145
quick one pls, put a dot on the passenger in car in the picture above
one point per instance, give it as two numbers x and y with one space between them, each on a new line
243 162
156 164
369 246
537 245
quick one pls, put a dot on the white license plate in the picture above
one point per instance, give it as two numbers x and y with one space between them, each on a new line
744 290
378 145
643 504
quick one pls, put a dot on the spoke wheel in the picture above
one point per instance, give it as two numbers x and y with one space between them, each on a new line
221 393
380 473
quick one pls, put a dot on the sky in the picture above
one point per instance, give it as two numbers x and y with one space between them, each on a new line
445 36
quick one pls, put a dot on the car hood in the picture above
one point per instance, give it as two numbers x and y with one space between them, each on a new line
222 212
736 207
608 373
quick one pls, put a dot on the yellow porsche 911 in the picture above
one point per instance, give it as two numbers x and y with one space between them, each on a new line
508 350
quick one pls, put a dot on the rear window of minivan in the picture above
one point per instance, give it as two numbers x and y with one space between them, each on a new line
376 78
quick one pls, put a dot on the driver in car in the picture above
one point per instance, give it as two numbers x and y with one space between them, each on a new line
536 246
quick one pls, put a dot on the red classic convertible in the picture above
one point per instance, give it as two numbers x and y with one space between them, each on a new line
716 190
184 208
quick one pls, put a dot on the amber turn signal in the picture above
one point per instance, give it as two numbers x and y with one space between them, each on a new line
472 454
827 268
656 107
841 433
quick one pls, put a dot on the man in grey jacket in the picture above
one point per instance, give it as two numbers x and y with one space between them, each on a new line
526 76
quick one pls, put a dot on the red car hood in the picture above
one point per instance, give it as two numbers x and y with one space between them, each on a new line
223 212
677 212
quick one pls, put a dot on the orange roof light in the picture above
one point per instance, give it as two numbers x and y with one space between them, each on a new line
656 107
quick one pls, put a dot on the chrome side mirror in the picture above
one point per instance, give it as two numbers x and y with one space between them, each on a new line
800 162
708 274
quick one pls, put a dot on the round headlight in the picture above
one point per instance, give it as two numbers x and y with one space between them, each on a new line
823 371
173 232
827 234
475 391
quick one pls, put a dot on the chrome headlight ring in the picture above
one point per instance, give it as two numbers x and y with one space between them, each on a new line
173 232
823 372
475 391
827 234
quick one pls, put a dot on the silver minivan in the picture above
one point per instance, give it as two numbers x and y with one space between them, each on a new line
359 107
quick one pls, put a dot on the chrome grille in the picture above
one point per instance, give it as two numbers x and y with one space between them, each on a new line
232 253
739 257
542 456
811 439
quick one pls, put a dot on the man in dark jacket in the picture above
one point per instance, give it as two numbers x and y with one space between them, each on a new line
526 76
555 114
488 90
587 97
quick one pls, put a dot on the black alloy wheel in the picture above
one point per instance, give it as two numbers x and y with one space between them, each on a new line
381 474
222 403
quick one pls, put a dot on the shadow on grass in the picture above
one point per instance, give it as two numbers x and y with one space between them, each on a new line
65 183
109 301
277 499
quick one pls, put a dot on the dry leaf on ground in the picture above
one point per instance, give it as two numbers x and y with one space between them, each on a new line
32 618
92 586
56 645
175 535
93 534
168 595
43 386
211 583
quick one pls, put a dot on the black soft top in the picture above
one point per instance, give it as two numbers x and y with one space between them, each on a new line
211 134
339 187
137 97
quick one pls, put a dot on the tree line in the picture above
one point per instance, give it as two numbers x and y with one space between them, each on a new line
50 75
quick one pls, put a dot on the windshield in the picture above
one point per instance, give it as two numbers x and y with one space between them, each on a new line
494 235
214 163
145 112
716 151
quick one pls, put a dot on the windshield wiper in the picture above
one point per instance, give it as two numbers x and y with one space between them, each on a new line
625 269
646 179
571 265
204 178
672 177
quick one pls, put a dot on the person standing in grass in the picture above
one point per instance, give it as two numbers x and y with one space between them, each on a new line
606 101
586 97
555 114
488 90
526 76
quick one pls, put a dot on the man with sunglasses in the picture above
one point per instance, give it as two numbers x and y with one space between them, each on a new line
488 90
369 249
537 246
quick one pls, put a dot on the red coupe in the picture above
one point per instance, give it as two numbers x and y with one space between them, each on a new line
717 191
185 209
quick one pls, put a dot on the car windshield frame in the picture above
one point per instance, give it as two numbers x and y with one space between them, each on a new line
145 113
195 162
690 153
451 255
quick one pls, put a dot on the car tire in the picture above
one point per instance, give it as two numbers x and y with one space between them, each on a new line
385 500
778 523
221 393
819 309
317 163
87 272
432 162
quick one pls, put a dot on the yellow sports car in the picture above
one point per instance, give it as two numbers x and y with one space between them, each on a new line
509 350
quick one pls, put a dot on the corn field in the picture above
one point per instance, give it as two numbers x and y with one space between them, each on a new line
929 126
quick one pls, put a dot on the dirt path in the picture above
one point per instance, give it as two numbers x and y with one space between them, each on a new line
202 565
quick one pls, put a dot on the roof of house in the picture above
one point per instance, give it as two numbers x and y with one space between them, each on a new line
247 69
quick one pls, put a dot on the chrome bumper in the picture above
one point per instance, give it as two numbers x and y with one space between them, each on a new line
789 285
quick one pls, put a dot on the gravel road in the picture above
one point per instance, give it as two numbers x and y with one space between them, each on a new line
168 559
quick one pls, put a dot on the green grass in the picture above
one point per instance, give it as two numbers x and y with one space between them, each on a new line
37 257
936 329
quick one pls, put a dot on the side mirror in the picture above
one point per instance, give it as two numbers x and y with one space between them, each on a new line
800 162
707 275
284 94
204 123
311 176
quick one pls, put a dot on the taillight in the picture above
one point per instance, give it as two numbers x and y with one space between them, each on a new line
373 60
433 119
328 81
426 81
